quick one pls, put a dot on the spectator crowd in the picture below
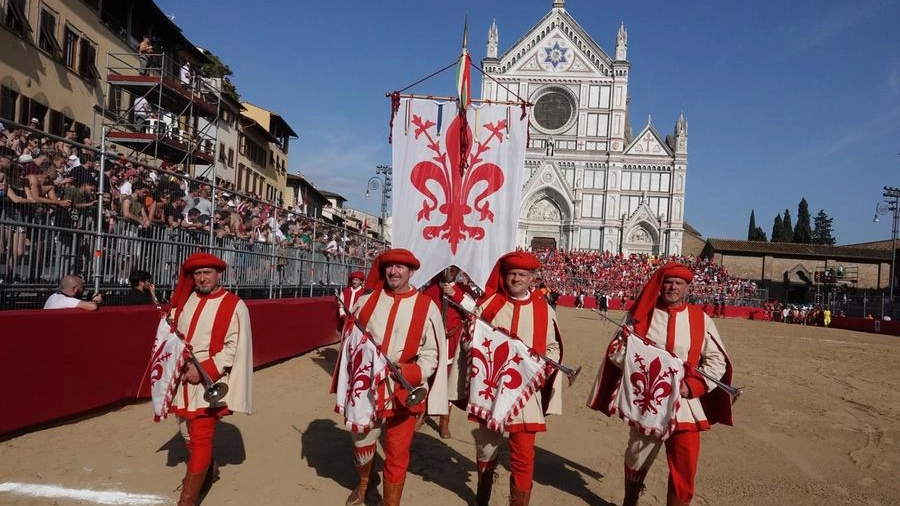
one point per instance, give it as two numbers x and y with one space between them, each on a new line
619 276
46 182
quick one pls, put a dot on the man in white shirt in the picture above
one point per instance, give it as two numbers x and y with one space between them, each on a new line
142 111
130 177
69 296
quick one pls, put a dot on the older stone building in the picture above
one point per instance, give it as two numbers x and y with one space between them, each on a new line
589 183
803 272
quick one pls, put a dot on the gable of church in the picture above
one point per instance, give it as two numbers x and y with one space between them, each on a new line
648 143
556 45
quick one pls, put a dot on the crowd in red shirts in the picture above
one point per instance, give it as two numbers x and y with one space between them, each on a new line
622 276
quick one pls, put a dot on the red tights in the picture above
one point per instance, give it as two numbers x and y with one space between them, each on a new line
201 431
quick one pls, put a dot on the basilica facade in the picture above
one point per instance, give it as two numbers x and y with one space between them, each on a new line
589 183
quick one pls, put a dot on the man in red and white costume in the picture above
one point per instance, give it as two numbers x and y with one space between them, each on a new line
508 303
661 314
350 294
216 324
446 284
408 329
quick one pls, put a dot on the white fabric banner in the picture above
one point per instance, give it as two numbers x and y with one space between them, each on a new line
166 364
362 368
447 215
503 375
649 391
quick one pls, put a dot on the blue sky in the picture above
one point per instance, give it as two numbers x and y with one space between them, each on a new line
784 99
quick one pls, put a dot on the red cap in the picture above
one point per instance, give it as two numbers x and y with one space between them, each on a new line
392 256
356 275
509 261
185 284
646 301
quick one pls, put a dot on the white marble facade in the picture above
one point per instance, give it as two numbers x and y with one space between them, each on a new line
589 182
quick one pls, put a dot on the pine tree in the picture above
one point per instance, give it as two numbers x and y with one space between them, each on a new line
777 228
822 230
760 235
787 227
802 233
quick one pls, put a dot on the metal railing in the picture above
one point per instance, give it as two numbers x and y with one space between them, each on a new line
36 255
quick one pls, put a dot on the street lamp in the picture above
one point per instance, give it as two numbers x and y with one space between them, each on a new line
386 186
885 207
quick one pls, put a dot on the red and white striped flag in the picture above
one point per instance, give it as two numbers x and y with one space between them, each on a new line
463 73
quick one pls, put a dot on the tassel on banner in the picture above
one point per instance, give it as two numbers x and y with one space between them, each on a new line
395 105
406 115
465 143
508 119
477 122
440 118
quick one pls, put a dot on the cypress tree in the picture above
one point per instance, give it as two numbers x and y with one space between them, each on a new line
787 227
777 228
752 228
802 232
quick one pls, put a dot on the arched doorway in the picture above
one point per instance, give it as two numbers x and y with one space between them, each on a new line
543 243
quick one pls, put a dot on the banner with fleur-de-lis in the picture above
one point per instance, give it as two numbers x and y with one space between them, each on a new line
648 395
457 184
503 375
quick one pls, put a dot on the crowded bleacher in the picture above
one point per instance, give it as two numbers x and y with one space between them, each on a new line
150 217
621 277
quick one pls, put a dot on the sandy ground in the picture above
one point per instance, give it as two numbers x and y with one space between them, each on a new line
818 423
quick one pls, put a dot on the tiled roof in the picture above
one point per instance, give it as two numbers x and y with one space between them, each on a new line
798 250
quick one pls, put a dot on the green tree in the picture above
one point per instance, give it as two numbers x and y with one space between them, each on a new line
787 227
778 229
755 233
752 227
216 68
822 231
802 232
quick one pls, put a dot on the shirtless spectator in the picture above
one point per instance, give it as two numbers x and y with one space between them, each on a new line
146 53
41 190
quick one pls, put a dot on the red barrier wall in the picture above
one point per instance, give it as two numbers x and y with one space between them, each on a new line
60 363
889 327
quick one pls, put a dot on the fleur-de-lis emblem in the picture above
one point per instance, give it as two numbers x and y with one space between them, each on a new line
651 385
447 168
499 365
156 370
360 372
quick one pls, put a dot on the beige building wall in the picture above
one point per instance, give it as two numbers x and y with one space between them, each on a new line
870 275
277 164
59 79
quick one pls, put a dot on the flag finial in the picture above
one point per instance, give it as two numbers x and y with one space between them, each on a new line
463 73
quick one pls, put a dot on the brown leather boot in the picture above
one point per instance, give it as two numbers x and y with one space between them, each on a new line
212 476
358 495
633 491
444 426
485 483
392 493
190 488
518 497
